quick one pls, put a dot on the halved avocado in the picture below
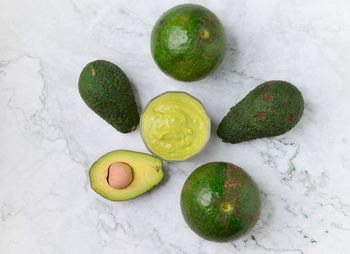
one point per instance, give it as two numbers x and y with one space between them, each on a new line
147 172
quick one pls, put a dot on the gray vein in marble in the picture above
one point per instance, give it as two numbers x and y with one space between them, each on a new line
276 250
289 174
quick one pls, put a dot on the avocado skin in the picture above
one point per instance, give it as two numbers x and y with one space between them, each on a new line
271 109
105 88
202 197
178 48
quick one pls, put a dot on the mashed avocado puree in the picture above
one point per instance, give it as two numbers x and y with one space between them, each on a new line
175 126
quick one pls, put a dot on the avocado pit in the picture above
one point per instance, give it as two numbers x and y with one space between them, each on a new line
119 175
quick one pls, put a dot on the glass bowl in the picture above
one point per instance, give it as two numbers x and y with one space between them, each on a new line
208 127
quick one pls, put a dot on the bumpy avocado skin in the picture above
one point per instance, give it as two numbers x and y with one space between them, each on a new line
205 192
188 42
271 109
106 90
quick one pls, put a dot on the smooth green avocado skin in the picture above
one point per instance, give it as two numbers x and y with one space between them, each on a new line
271 109
105 88
203 194
188 42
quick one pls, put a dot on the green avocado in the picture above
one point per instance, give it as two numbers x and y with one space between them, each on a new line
147 172
271 109
105 88
188 42
220 202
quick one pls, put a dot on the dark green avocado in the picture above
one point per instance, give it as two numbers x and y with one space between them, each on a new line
220 201
188 42
105 88
271 109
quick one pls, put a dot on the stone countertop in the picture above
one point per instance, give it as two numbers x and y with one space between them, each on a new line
49 138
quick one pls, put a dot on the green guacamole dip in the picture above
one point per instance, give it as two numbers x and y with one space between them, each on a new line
175 126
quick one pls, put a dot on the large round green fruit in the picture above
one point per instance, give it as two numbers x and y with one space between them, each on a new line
220 201
188 42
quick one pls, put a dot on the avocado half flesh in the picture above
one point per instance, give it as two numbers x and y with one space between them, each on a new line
147 172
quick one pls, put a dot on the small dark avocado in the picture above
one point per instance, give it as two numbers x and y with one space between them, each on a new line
220 201
105 88
188 42
271 109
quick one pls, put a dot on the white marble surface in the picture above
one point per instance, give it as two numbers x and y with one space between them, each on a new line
49 137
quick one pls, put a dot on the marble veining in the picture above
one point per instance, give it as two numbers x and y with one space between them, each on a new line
49 137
